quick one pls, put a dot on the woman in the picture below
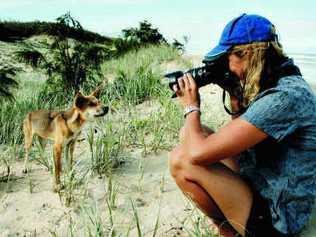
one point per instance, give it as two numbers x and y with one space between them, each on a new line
257 173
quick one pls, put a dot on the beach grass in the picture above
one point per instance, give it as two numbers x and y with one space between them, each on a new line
142 118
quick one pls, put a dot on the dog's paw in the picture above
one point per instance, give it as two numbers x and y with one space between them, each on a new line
58 187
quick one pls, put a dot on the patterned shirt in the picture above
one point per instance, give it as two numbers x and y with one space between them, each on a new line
283 166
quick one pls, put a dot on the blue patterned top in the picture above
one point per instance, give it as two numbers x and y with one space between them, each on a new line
283 167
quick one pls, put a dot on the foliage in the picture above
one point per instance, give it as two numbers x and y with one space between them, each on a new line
69 63
136 76
106 151
134 88
7 83
144 34
134 38
12 114
30 56
13 30
177 45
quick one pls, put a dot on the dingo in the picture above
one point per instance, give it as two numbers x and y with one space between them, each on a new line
62 127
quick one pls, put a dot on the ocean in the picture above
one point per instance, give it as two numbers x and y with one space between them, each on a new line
307 65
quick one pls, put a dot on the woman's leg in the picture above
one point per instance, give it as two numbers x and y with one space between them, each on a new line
217 190
212 187
204 202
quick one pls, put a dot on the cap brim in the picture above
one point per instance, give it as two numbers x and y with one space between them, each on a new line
216 52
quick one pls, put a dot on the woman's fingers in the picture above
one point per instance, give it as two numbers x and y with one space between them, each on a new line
176 90
191 81
185 83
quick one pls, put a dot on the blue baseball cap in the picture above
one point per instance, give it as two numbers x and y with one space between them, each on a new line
244 29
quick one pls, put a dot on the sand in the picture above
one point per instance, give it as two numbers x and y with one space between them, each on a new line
143 179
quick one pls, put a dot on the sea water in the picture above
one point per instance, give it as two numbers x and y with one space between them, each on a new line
307 65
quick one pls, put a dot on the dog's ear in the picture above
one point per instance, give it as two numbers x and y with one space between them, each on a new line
96 93
79 100
78 93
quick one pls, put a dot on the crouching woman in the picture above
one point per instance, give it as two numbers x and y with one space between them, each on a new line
258 172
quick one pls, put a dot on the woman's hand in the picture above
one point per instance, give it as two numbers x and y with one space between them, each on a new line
187 91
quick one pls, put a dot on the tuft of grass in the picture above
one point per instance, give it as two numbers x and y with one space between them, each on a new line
112 191
74 177
137 220
106 148
94 225
134 88
199 225
136 77
41 156
156 131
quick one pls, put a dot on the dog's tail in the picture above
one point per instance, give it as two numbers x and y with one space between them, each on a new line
27 126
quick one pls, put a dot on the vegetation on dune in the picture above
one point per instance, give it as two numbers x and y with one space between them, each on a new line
7 83
72 65
142 117
12 31
68 63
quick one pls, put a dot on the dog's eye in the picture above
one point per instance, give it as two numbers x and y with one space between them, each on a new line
92 104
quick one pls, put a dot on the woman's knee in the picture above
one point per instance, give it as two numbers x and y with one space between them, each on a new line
177 164
174 164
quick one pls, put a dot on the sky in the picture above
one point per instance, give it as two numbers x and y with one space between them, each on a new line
202 21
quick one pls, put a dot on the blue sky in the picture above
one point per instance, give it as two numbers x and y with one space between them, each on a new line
201 20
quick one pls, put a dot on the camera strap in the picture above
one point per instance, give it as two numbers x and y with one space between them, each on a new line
240 111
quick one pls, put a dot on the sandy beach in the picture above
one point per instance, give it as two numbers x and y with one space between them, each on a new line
144 180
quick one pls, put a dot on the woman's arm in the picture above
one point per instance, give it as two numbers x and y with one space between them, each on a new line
229 141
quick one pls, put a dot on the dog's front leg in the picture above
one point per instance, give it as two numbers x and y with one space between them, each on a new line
71 152
57 163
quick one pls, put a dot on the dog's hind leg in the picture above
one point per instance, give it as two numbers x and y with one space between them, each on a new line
28 136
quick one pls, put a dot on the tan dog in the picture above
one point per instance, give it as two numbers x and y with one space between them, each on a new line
62 127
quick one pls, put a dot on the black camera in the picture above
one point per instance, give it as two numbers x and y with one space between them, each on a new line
216 72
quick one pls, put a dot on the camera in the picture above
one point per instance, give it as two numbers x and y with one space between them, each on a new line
215 72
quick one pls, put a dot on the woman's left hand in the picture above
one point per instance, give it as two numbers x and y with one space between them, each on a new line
187 91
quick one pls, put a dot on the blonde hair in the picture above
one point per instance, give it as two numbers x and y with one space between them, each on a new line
254 55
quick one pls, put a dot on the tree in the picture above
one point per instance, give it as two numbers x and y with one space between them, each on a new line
69 62
145 34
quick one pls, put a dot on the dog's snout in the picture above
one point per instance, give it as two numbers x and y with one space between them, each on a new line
102 111
105 109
